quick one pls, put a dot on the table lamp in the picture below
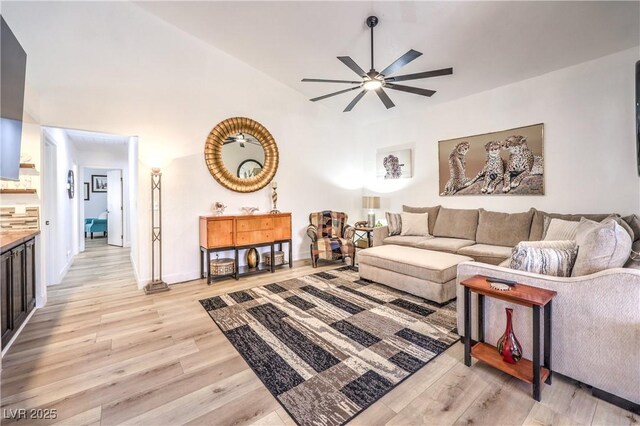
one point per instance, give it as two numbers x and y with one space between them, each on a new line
371 203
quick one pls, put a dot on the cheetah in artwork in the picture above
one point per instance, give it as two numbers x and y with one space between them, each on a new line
493 170
520 163
457 169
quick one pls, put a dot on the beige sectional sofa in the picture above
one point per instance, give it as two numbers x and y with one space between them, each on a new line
596 318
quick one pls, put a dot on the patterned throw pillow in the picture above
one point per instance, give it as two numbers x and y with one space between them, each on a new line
394 221
554 258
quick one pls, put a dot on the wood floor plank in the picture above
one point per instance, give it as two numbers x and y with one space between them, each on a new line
103 352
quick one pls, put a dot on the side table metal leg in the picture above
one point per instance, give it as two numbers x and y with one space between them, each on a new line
547 340
480 317
208 260
290 255
467 326
536 353
273 258
201 263
237 277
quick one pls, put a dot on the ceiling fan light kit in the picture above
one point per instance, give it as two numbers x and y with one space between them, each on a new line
374 81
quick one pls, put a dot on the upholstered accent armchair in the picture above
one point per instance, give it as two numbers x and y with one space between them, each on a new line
92 225
331 237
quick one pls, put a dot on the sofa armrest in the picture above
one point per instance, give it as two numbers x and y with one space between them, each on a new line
379 234
312 232
591 315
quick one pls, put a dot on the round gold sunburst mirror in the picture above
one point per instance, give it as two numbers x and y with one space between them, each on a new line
241 154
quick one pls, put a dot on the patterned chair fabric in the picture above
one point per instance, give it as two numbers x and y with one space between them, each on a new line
331 237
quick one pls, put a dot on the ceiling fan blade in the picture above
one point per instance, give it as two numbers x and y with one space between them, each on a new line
385 98
320 80
339 92
401 62
409 89
419 75
355 101
352 65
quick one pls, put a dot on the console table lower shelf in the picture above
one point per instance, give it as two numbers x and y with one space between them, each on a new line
523 370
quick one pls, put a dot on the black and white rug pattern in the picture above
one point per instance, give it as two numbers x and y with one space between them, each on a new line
328 345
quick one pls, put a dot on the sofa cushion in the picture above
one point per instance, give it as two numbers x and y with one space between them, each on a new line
559 229
433 214
554 258
537 224
486 253
394 222
634 223
600 246
456 223
451 245
503 229
427 265
415 224
405 240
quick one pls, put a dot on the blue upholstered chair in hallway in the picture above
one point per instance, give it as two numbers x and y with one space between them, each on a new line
92 225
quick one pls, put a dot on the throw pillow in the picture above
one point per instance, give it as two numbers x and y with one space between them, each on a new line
559 229
634 258
415 224
394 221
433 214
618 219
634 223
554 258
601 246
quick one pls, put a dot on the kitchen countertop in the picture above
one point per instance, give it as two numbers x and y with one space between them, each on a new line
10 239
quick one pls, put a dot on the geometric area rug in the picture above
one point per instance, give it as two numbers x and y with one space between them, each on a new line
328 345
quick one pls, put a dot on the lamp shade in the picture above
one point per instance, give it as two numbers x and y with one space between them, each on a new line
370 202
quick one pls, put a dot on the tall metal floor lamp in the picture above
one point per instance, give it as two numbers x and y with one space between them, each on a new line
156 285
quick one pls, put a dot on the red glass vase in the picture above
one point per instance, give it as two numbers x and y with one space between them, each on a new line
508 345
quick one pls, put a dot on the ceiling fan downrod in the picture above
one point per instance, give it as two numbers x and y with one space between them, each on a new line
372 21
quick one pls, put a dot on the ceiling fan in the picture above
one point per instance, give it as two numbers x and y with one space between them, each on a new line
378 81
241 138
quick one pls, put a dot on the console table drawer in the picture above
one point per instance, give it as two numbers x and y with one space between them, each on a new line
254 224
254 237
219 233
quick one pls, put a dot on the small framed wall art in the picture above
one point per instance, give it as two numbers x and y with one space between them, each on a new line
394 163
86 191
98 183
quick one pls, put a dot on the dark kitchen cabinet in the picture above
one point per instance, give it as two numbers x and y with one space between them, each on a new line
17 287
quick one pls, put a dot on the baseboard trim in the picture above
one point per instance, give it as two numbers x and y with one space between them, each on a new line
17 333
616 400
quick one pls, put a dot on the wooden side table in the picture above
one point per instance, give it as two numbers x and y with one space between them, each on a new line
521 294
361 233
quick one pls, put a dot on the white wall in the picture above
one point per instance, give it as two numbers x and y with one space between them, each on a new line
97 202
589 142
65 242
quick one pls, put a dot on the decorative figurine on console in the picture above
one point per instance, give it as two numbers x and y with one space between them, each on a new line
274 197
218 208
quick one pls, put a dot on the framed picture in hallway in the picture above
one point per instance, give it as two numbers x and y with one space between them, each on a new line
98 183
86 191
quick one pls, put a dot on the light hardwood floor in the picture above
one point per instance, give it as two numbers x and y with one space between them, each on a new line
102 352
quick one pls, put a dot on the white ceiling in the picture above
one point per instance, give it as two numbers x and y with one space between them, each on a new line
86 47
93 141
489 44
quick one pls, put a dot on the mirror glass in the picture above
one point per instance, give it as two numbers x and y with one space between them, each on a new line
243 155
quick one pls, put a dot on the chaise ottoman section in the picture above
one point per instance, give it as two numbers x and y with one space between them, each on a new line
425 273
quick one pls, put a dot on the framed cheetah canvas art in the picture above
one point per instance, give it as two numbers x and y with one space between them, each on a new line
508 162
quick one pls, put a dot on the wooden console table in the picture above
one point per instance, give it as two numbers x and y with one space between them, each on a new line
521 294
235 233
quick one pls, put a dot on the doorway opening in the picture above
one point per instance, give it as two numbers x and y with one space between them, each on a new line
101 209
